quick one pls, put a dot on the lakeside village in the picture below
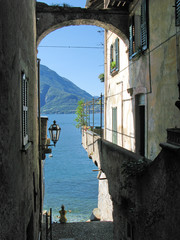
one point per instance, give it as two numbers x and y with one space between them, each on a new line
137 151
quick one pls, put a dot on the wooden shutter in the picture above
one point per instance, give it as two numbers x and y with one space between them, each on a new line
24 110
177 9
144 25
111 56
131 38
130 41
137 33
114 125
117 53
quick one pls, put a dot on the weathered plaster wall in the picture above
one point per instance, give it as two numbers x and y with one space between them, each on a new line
90 143
154 74
51 18
19 171
116 95
146 202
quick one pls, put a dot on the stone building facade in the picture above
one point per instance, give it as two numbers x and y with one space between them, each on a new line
141 103
20 168
141 91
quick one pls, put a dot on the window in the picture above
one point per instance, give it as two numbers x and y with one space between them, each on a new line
138 31
177 9
24 109
140 124
114 56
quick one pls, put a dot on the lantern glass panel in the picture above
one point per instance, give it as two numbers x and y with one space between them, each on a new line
54 131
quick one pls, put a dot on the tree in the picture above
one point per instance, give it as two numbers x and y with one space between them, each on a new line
81 118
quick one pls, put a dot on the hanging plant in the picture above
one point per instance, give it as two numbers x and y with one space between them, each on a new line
101 77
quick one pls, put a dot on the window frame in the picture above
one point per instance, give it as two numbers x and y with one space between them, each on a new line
177 13
114 56
138 32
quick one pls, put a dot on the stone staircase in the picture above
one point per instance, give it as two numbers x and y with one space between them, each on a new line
94 230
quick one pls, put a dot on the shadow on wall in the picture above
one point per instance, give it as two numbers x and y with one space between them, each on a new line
144 193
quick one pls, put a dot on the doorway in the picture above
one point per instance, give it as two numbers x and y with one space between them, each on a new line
140 124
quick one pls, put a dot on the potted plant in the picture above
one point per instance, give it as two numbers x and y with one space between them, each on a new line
101 77
113 65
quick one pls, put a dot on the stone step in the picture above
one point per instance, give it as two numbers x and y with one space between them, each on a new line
83 231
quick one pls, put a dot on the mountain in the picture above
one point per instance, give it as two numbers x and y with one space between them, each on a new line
58 94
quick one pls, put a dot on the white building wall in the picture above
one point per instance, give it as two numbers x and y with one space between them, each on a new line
116 95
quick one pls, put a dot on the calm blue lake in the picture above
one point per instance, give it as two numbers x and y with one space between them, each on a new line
68 175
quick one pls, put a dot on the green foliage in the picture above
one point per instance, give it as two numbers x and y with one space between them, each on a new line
113 65
66 5
61 5
101 77
81 116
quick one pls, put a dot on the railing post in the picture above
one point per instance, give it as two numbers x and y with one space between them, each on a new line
46 226
86 128
101 117
50 223
89 114
93 125
83 119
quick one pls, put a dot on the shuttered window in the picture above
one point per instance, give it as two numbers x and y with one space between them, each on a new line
144 32
131 37
138 31
24 109
117 53
114 56
177 9
114 125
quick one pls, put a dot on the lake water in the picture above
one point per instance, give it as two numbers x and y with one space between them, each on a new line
69 178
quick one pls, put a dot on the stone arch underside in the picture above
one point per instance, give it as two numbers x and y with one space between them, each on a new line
51 19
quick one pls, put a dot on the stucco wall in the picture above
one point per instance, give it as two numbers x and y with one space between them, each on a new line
154 74
19 171
144 194
91 145
144 198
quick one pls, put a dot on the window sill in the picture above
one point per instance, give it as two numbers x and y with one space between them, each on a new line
26 147
114 72
138 54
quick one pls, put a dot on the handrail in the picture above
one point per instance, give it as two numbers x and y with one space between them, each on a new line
49 224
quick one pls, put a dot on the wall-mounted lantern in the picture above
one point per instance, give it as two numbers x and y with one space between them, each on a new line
54 131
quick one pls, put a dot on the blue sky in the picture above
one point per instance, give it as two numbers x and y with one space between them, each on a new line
82 66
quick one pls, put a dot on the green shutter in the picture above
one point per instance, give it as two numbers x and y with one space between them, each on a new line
177 9
144 25
111 56
24 109
114 125
117 53
131 37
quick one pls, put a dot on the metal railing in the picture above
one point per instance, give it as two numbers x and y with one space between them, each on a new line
49 225
90 108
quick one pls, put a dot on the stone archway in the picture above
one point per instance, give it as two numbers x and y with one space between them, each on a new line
50 18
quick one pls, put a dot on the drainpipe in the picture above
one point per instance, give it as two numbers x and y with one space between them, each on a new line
93 124
39 142
105 81
101 117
